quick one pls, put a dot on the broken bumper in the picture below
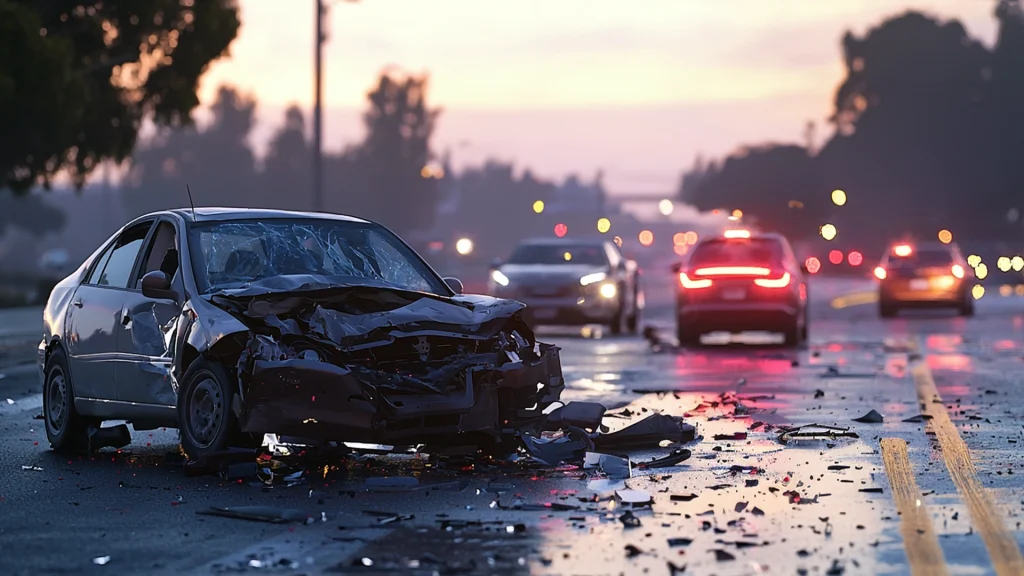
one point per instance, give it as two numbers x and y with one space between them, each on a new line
316 400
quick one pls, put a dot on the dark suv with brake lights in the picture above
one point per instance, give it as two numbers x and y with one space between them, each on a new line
739 282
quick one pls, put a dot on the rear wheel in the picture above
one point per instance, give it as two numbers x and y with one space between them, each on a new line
687 335
793 332
805 329
887 309
65 427
967 308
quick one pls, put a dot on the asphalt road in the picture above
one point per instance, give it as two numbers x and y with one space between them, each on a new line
939 495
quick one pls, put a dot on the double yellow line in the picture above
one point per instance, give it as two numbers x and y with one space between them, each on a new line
919 538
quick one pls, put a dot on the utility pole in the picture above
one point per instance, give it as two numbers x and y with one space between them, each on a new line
318 110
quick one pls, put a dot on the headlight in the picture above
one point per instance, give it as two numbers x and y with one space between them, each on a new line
591 278
608 291
498 277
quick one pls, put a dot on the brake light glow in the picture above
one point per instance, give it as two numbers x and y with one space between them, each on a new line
732 271
902 250
813 265
737 234
835 257
958 271
773 282
880 273
693 284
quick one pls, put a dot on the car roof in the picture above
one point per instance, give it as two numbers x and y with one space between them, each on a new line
753 236
220 214
562 241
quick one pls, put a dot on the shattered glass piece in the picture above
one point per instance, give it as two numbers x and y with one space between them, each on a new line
101 560
612 466
634 497
676 542
111 437
629 520
675 457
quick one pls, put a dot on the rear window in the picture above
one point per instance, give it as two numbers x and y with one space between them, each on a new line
922 258
755 251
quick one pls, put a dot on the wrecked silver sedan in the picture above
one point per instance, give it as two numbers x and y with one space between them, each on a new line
229 324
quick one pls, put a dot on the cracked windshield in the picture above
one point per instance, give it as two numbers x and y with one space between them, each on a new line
580 287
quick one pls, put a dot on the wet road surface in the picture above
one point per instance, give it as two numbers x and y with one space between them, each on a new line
941 493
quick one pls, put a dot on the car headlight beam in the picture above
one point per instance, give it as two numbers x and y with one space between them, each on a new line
500 278
608 291
592 278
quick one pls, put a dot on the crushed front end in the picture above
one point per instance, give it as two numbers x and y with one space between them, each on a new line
417 373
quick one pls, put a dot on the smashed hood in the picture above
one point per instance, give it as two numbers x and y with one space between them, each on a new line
346 314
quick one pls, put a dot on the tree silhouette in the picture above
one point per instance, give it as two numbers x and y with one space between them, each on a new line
928 134
77 80
399 125
286 180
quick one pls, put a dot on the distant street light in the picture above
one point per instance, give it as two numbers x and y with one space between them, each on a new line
604 225
838 197
828 231
464 246
945 236
666 207
538 206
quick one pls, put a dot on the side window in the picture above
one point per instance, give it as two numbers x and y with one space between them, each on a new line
119 265
101 262
161 253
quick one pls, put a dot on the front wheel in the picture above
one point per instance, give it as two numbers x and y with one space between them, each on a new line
65 427
793 332
967 309
204 409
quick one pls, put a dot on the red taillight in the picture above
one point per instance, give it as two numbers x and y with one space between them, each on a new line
773 282
693 284
732 271
880 273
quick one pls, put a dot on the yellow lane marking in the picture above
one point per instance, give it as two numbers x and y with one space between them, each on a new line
854 299
1001 545
919 539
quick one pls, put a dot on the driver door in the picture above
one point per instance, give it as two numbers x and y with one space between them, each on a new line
145 336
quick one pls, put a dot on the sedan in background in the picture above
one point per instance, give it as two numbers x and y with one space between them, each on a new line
926 275
572 282
229 324
740 282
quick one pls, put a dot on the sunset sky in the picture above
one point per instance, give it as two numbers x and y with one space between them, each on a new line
637 89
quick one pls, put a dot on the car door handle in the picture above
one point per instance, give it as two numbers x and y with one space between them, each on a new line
77 303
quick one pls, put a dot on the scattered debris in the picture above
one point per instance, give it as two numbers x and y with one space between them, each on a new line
101 560
269 514
814 432
872 417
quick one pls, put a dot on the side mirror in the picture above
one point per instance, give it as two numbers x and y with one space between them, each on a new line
455 284
157 285
677 267
496 263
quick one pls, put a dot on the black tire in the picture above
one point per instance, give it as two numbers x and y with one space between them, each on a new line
687 336
791 333
66 429
205 419
633 320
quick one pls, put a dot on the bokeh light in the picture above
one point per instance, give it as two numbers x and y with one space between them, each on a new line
813 265
1005 290
828 231
835 257
680 249
796 204
679 238
981 271
973 260
737 213
1003 264
561 230
945 236
666 207
464 246
567 256
538 206
691 237
604 225
978 291
646 237
1017 263
855 258
838 197
618 241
